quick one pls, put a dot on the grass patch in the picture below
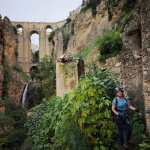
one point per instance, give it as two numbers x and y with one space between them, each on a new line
85 52
124 21
21 72
2 101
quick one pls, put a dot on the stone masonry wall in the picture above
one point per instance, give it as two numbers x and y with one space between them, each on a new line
145 33
67 75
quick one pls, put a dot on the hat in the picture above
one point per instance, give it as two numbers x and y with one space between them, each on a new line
118 89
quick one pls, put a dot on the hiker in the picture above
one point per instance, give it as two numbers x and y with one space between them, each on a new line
119 108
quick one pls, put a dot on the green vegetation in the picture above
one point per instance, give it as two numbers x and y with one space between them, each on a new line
125 20
51 36
2 101
12 74
91 4
14 119
81 120
110 5
35 56
85 52
65 41
17 69
47 74
15 30
139 131
68 20
127 6
16 53
110 45
1 41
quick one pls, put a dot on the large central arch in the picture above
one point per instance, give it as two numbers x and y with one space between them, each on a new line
24 42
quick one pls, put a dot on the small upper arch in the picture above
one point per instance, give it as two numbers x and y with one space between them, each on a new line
19 27
33 32
48 28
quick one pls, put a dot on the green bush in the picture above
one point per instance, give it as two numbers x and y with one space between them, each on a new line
139 131
51 36
65 41
14 118
68 20
125 20
47 74
15 30
110 45
91 4
129 5
81 120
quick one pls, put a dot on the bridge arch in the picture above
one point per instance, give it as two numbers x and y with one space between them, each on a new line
24 41
32 46
33 70
19 26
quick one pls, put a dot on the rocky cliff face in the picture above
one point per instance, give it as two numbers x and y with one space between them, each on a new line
87 30
12 81
1 52
10 43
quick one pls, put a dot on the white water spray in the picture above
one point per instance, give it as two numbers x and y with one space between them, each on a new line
24 97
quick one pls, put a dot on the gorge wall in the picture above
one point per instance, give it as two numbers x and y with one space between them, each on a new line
12 81
86 31
133 65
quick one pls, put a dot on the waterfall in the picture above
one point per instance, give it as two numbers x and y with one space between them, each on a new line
24 97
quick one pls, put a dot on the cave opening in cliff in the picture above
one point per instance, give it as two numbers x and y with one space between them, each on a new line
34 41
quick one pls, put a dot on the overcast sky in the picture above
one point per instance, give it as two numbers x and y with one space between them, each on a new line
37 10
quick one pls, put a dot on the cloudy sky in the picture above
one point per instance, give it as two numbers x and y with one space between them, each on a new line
37 10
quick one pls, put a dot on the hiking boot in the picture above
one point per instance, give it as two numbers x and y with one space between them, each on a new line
124 146
130 142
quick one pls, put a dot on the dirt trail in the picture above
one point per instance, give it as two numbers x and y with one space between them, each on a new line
131 147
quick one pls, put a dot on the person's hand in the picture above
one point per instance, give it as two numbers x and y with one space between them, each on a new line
121 117
137 110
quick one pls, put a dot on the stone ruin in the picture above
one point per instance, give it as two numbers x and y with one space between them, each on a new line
68 72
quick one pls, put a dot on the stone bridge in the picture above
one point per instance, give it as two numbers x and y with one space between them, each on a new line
24 40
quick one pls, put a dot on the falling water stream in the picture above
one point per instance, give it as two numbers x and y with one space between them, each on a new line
24 97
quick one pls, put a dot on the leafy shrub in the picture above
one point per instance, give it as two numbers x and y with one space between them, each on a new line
35 57
139 131
15 30
110 5
129 5
81 120
124 21
68 20
47 74
51 36
91 4
110 45
17 69
65 41
14 120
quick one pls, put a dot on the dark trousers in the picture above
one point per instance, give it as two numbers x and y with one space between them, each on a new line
121 125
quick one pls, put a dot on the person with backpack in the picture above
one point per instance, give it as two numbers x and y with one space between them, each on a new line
120 106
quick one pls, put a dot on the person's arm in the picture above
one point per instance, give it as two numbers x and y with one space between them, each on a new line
130 107
113 109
